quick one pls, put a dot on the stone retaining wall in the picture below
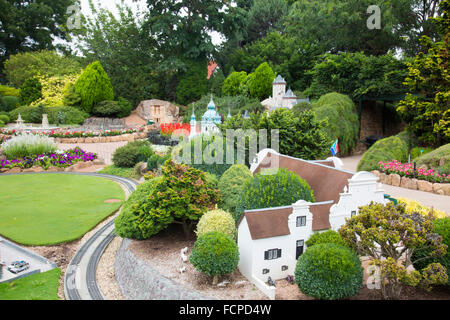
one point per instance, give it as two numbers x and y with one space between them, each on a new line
139 281
125 137
413 184
73 168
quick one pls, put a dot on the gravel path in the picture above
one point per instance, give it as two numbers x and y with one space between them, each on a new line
103 150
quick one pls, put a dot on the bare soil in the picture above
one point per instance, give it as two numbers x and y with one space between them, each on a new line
163 252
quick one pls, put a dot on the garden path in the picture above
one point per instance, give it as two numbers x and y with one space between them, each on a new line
426 198
103 150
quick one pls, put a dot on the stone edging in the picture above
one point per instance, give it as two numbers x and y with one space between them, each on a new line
130 137
413 184
38 169
139 281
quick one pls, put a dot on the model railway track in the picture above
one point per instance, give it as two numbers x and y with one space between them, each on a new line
80 281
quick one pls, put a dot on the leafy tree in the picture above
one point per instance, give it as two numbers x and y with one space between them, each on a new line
231 185
215 83
265 16
29 26
193 84
232 84
22 66
390 237
31 91
93 86
260 82
426 106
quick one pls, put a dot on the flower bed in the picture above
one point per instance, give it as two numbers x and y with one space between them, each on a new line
59 160
180 128
78 134
407 170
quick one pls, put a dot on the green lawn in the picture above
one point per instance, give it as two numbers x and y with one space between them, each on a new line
54 208
121 172
40 286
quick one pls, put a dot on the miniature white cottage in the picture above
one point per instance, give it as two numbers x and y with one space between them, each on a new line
271 240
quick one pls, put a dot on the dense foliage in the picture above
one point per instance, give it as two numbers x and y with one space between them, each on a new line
27 145
56 115
30 91
132 153
217 221
399 234
329 271
215 254
282 188
343 122
329 236
9 103
439 159
231 185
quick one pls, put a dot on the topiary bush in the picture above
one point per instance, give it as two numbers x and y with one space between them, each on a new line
30 91
4 118
329 271
231 185
215 254
127 223
106 109
388 149
343 122
132 153
273 190
329 236
219 221
441 227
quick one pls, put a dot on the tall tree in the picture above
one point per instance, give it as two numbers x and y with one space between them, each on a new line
31 25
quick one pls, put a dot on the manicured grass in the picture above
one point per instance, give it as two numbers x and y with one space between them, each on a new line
40 286
54 208
121 172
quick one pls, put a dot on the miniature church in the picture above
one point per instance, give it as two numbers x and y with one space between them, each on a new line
210 119
280 97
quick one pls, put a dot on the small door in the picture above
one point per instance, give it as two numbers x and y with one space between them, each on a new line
300 246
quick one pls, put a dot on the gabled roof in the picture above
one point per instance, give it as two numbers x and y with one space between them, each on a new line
279 80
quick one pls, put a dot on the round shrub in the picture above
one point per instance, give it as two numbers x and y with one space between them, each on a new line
30 91
329 236
125 108
4 118
107 109
219 221
329 271
215 254
273 190
127 223
10 103
212 180
231 185
2 124
132 153
388 149
441 227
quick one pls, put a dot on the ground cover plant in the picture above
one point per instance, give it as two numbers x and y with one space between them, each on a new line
54 208
40 286
118 171
438 159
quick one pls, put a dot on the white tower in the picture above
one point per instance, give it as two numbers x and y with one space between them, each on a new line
193 125
279 90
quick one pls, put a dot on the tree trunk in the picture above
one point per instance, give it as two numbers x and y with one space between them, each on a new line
215 280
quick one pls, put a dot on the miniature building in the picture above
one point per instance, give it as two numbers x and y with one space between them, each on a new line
280 97
159 111
210 119
271 240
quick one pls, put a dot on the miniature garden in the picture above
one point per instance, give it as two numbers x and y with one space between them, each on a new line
103 145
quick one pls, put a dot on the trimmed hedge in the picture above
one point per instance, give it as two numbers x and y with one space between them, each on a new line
343 122
441 227
215 254
329 236
388 149
218 221
231 185
273 190
329 271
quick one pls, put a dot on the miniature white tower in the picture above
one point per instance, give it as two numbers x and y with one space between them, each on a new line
279 90
193 125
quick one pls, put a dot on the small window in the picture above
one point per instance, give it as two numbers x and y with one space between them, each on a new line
353 213
272 254
284 268
266 271
301 221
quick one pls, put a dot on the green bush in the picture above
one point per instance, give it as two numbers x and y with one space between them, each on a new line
4 119
442 228
215 254
181 195
127 223
329 271
93 86
434 158
10 103
27 145
125 108
9 91
388 149
260 82
231 185
217 221
301 107
2 124
132 153
107 109
419 151
56 115
273 190
213 180
343 122
30 91
329 236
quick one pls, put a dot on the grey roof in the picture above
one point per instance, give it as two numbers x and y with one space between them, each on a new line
289 94
279 80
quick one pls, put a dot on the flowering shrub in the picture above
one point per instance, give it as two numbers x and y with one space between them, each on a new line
170 128
407 170
414 206
57 159
27 145
77 134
